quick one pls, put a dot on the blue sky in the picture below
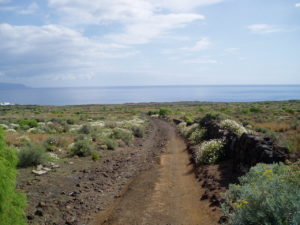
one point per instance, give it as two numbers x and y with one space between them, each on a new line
149 42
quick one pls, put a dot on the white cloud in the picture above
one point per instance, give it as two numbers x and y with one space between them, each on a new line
144 30
8 8
200 61
263 28
167 51
32 8
232 50
141 20
200 45
297 4
53 49
183 6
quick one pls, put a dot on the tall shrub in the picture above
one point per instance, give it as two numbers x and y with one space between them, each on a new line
12 202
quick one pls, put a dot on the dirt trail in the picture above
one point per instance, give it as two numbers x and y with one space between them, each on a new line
167 194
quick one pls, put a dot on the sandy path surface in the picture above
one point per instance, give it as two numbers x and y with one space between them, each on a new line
167 194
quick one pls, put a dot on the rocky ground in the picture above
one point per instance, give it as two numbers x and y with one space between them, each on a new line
81 188
168 193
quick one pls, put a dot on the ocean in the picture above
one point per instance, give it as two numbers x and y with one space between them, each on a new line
138 94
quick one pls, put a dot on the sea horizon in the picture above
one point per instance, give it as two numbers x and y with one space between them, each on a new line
148 94
172 85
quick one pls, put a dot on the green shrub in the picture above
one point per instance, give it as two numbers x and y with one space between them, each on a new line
255 109
187 118
152 112
182 128
210 117
85 129
209 152
288 110
188 130
163 112
110 143
197 136
138 131
110 124
233 126
70 121
82 148
268 194
12 202
95 155
123 134
52 143
32 155
25 124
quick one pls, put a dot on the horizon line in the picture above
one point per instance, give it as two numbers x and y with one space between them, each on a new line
172 85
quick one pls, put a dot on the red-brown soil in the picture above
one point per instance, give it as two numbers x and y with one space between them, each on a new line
166 194
150 182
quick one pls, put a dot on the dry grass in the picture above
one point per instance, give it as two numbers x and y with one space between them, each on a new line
12 139
293 142
37 138
275 126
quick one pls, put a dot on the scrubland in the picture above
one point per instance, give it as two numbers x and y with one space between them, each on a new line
43 139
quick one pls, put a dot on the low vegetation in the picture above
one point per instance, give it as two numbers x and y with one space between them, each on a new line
82 148
12 202
267 194
122 134
108 143
32 155
197 136
279 121
95 155
233 126
209 152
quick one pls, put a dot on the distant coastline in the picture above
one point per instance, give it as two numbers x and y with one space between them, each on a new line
12 86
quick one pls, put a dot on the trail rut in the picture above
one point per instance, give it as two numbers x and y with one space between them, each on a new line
167 194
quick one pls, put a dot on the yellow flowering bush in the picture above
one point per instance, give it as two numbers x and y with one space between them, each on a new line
268 195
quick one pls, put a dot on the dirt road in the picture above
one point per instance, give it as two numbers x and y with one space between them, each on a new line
167 194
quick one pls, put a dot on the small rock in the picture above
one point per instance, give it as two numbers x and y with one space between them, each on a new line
70 221
30 217
47 169
204 196
39 167
53 165
104 147
42 204
105 174
39 172
39 212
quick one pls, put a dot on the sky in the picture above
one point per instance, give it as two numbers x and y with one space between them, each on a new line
66 43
